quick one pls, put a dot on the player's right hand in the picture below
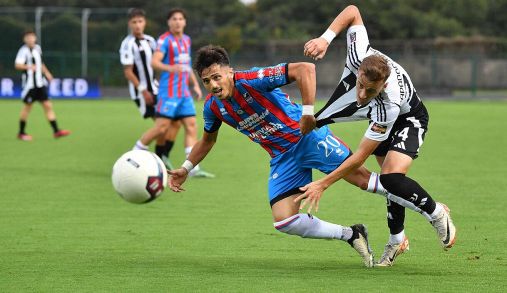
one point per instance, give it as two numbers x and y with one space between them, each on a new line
177 178
176 68
316 48
307 124
148 98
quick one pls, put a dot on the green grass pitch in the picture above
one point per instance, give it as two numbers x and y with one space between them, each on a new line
63 228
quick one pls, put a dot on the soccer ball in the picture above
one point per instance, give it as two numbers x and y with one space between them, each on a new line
139 176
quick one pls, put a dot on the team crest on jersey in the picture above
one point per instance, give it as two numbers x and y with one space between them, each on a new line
248 98
239 111
353 37
378 128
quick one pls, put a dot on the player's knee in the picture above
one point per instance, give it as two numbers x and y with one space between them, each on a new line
293 225
392 181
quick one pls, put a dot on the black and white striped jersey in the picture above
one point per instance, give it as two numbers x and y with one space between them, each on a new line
31 78
398 98
138 52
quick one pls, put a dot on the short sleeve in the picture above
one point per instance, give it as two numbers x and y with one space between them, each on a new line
126 53
21 56
211 121
383 115
162 44
357 46
266 78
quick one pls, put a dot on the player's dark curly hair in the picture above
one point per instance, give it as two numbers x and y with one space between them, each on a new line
135 12
176 10
209 55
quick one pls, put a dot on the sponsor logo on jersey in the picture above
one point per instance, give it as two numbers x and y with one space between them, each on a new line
260 74
223 111
252 121
378 128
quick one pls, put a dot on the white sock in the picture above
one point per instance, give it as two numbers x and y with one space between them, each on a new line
140 146
397 238
187 152
374 185
436 212
308 226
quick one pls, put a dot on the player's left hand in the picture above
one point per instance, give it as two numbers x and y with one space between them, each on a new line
198 92
316 48
311 195
307 124
177 178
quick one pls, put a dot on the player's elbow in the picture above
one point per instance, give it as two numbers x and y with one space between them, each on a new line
19 66
353 9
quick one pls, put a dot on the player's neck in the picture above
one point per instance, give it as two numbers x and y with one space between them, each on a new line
139 35
176 34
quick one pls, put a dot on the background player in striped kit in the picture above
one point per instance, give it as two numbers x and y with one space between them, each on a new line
34 81
136 52
374 87
175 101
251 102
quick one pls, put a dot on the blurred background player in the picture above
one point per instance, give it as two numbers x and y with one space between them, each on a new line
374 87
34 82
136 53
175 101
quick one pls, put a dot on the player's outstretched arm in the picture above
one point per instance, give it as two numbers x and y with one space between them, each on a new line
316 48
304 75
313 191
198 153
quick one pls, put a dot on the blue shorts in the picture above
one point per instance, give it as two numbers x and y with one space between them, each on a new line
319 150
175 108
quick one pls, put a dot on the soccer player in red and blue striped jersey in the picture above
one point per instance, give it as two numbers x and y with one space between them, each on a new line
251 102
174 101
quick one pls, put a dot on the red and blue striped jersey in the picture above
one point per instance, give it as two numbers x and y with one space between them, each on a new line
258 109
176 51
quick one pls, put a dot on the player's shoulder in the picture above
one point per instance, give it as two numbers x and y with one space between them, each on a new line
23 49
127 42
187 37
149 38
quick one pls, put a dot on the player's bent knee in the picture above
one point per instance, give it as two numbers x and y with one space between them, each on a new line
294 225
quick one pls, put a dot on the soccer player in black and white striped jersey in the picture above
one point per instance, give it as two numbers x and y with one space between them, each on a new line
374 87
135 55
34 82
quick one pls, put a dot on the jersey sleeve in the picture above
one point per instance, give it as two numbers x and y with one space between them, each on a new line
383 115
162 45
126 53
211 121
357 46
266 78
21 56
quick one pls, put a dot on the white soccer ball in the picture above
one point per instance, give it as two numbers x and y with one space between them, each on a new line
139 176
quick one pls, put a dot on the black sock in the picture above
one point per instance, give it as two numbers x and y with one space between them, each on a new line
53 125
159 150
168 147
22 125
409 190
395 217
